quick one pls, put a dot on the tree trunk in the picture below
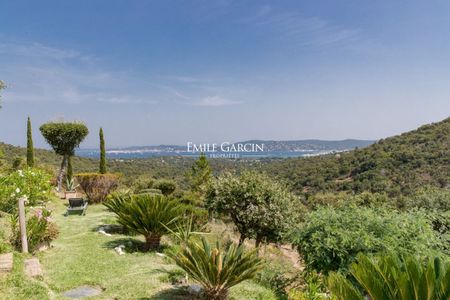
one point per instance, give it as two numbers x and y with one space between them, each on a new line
152 242
241 239
258 241
61 172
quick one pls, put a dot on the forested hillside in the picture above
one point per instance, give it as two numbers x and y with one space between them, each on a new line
397 165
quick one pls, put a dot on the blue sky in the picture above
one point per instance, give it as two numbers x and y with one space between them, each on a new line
168 72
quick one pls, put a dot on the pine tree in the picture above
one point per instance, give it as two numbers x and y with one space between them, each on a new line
30 150
102 153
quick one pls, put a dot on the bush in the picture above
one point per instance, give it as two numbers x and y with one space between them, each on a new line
430 197
40 229
97 186
217 269
31 183
330 239
166 186
259 207
150 215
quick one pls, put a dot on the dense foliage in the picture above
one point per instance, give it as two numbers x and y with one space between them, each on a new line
393 277
217 269
40 230
32 183
259 207
150 215
397 165
97 186
330 238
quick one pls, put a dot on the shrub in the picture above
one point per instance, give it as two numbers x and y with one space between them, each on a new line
430 197
150 215
166 186
149 191
216 269
393 277
259 207
40 229
97 186
30 182
330 239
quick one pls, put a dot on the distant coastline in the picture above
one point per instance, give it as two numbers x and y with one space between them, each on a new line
280 149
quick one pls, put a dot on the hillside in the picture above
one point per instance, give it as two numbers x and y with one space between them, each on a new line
396 165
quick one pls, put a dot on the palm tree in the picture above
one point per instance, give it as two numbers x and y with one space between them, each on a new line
151 215
216 269
390 277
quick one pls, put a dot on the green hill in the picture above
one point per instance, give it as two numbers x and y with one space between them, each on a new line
397 165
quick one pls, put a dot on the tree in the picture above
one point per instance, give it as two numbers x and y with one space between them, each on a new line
259 207
200 174
150 215
393 277
102 153
30 150
64 138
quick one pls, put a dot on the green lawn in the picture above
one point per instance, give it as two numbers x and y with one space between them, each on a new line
81 256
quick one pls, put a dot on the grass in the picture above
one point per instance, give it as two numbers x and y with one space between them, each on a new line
81 256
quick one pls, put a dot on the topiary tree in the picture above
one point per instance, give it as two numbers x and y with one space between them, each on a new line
64 137
102 153
259 207
30 150
97 186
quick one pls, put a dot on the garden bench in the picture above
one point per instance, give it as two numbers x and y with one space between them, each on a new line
77 205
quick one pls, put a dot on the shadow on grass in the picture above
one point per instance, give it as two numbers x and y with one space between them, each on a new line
112 229
175 293
132 245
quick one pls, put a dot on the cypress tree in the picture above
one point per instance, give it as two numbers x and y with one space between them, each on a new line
30 151
102 153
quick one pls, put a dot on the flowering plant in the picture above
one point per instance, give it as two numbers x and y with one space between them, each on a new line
40 229
31 183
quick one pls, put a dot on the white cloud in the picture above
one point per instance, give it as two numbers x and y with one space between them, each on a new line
215 101
298 29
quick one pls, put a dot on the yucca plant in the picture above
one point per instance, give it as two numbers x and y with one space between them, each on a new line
390 277
216 269
150 215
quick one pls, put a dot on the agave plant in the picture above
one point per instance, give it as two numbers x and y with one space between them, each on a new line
71 186
150 215
216 269
390 277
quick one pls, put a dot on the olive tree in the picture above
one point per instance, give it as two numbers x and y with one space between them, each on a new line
64 137
259 207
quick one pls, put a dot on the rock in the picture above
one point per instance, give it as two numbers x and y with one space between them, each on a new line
33 267
6 262
160 254
194 289
83 292
120 249
104 232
